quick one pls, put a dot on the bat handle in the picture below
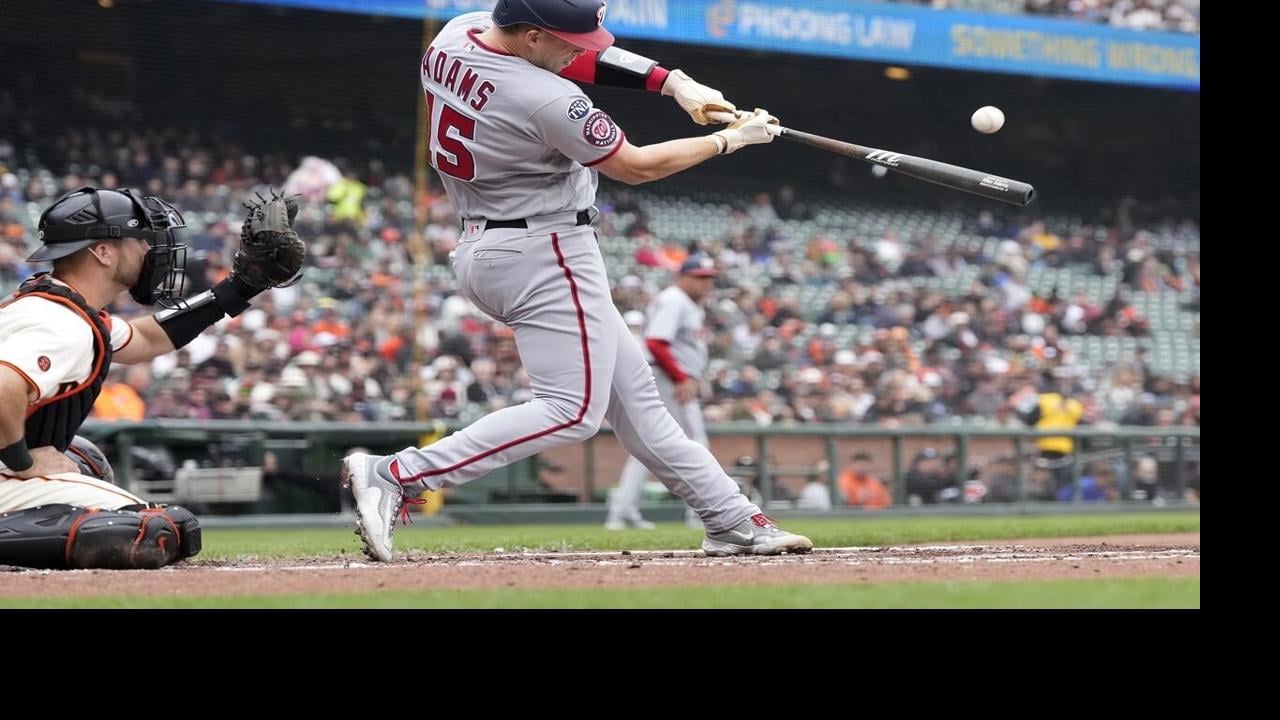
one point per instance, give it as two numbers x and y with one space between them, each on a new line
726 117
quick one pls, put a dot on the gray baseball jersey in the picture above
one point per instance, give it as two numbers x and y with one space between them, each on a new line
673 316
509 139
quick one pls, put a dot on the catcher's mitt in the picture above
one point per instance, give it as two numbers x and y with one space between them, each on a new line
271 253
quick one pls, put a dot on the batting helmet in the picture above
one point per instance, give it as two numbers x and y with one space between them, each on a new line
577 22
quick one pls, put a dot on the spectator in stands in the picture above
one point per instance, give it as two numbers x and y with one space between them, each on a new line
786 207
1056 409
1097 484
121 397
860 488
347 197
1146 482
220 362
1001 479
927 482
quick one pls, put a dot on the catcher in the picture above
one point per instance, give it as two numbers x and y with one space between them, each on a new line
59 506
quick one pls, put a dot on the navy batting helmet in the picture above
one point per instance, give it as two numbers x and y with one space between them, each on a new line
577 22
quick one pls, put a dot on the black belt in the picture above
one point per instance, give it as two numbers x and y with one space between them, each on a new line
584 218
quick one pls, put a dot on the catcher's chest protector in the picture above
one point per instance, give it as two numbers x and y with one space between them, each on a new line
54 421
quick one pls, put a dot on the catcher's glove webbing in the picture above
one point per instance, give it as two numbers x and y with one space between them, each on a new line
271 253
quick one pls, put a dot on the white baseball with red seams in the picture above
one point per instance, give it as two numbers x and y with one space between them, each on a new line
512 141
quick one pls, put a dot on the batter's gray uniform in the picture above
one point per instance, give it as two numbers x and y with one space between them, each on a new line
513 142
675 318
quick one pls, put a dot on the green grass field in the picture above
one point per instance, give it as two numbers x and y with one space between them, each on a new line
228 544
233 544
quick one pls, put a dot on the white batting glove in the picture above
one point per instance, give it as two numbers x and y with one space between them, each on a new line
696 99
748 129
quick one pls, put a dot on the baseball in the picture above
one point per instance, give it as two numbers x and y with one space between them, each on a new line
987 119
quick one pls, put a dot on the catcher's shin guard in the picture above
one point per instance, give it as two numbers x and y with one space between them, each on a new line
134 537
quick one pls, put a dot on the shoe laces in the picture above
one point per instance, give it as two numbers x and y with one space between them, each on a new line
405 502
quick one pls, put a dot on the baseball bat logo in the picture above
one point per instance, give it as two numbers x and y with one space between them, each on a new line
995 183
884 157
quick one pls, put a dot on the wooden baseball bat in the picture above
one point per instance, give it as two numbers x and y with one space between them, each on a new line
977 182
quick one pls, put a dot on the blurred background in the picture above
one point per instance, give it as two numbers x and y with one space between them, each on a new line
864 327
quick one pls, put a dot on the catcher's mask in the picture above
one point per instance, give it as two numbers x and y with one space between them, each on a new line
89 215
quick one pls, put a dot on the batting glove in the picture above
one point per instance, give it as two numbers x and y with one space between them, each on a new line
696 99
748 129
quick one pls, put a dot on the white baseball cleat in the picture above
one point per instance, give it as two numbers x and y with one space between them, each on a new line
377 499
757 535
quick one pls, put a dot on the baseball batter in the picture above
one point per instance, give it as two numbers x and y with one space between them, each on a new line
677 347
518 146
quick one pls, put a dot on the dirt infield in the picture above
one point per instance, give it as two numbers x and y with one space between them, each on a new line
1176 555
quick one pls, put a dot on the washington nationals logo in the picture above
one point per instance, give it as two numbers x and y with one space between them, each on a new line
600 130
600 14
579 108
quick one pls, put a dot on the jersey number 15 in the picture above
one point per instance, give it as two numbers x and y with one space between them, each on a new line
448 153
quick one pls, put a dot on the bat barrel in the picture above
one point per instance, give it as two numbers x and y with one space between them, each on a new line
977 182
955 177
